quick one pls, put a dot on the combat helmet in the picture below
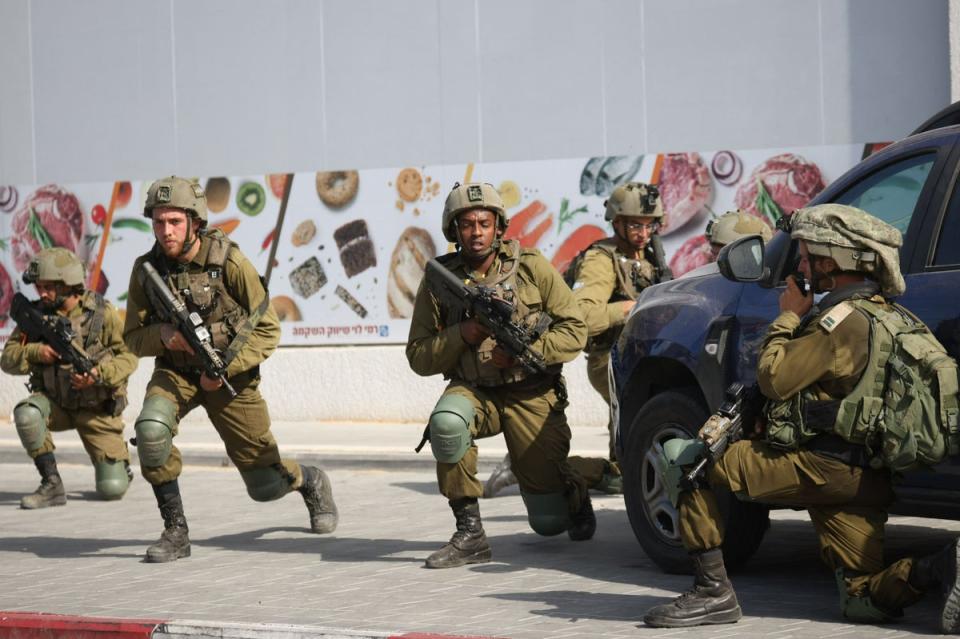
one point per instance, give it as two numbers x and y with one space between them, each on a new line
55 264
634 199
856 240
179 193
733 225
472 195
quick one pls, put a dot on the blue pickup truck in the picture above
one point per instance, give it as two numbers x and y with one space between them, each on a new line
688 339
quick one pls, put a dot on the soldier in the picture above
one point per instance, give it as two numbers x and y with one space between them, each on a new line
733 225
488 392
214 279
61 399
806 455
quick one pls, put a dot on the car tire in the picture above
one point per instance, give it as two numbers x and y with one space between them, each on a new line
653 518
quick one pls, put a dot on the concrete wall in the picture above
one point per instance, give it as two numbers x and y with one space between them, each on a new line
128 89
110 89
343 384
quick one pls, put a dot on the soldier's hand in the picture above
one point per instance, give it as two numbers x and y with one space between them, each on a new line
47 355
793 299
628 306
502 359
79 382
173 340
210 383
473 332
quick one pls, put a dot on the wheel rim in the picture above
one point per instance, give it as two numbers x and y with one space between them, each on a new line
661 514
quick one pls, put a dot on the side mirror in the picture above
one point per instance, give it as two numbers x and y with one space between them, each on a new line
742 260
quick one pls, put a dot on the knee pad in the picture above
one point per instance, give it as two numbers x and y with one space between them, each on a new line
548 514
672 462
154 428
112 479
30 417
265 484
450 428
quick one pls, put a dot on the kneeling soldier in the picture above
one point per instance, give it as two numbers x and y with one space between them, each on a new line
62 398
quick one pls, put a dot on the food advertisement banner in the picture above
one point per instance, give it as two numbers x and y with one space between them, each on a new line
344 255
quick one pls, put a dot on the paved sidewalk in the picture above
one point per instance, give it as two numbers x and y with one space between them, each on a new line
256 563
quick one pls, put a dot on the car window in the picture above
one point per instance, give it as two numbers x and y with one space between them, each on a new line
891 194
948 241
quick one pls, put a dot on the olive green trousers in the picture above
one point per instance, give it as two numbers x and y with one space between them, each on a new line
847 504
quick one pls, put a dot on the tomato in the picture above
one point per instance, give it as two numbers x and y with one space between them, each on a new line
99 214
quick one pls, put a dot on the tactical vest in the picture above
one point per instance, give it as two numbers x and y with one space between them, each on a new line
895 433
205 293
54 379
632 277
511 283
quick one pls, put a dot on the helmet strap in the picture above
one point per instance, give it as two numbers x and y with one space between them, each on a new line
188 241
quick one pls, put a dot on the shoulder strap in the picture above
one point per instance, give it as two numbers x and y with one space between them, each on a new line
96 307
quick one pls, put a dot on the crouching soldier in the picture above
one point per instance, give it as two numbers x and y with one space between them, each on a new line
489 391
63 398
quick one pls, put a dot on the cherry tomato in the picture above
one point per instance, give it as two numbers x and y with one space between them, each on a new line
99 214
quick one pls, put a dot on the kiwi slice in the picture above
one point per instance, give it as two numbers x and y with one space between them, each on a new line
250 198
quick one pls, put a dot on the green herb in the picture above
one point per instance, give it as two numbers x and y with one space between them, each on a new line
3 244
566 214
767 205
35 228
132 223
122 297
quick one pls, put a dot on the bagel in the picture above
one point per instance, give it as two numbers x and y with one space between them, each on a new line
286 308
336 189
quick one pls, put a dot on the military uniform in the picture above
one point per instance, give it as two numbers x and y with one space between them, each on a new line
605 278
223 288
846 498
242 422
825 378
484 400
528 410
94 412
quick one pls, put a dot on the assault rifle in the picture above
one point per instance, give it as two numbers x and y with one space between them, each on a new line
493 312
663 271
55 330
722 429
172 309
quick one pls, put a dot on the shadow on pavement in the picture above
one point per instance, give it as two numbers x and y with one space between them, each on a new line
574 605
64 547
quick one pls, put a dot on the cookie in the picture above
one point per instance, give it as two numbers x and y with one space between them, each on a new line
409 185
308 278
303 233
336 189
357 252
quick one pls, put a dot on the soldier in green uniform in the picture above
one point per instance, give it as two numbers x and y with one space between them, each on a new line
62 399
607 282
214 279
488 392
733 225
811 363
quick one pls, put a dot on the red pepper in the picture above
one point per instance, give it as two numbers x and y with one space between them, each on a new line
267 241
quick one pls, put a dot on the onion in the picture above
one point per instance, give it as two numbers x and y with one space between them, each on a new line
726 167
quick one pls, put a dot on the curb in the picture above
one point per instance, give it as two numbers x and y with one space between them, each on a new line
37 625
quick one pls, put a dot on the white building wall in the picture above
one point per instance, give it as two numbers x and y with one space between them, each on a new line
134 89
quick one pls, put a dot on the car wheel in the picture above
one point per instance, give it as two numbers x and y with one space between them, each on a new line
654 519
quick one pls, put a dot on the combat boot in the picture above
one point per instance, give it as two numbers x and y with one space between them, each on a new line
469 544
501 477
51 491
174 541
710 601
612 481
583 523
941 570
318 496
